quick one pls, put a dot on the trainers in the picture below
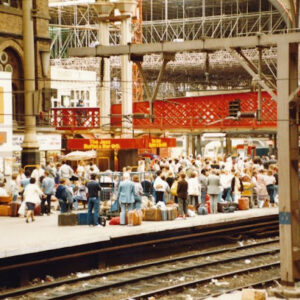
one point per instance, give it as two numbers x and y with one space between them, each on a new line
98 225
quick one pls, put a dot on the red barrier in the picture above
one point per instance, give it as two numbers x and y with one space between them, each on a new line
180 113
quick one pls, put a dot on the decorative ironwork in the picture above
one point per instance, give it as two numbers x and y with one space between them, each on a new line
190 113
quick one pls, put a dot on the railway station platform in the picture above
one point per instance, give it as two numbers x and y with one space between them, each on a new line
18 238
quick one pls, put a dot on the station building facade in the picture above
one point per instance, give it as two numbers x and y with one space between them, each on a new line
12 62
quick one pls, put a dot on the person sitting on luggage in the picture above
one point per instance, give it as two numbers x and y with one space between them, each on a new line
80 194
32 196
138 190
147 186
70 195
61 195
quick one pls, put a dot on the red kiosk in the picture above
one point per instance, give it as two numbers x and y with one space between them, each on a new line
119 152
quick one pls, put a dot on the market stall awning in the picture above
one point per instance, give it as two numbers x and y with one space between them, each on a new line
80 155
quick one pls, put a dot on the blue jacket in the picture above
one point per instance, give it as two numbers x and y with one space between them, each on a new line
61 193
126 192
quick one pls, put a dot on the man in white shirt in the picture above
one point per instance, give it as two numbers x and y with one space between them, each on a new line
65 171
37 173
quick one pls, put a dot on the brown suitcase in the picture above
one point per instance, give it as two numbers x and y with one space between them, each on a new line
243 203
5 199
14 209
152 214
67 219
135 217
222 206
5 210
172 213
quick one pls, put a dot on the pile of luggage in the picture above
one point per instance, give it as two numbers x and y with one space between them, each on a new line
8 208
161 212
72 219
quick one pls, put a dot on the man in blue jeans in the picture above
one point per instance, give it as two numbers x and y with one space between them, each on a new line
93 201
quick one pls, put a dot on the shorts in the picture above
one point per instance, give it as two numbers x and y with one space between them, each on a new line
30 205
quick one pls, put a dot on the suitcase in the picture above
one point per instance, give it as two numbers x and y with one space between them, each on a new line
234 205
172 213
67 219
243 203
82 219
152 214
223 206
37 210
14 209
5 210
164 214
5 199
135 217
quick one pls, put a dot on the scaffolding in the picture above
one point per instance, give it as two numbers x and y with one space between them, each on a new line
173 20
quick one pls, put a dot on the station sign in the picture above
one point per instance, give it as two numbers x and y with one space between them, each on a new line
116 144
160 142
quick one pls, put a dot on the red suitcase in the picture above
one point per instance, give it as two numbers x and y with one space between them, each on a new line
37 210
14 209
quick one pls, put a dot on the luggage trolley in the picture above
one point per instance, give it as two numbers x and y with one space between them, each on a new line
109 182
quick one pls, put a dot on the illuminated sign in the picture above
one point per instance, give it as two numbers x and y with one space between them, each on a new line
157 143
116 144
101 145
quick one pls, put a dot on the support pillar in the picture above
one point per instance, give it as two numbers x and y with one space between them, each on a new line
287 128
30 147
105 101
199 144
187 145
228 146
126 79
193 140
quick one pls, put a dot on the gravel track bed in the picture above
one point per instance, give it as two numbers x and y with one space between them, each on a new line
157 277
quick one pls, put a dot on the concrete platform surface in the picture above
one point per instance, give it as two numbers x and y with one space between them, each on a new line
18 238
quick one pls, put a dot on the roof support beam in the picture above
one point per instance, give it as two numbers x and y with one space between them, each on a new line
166 58
249 69
145 81
202 45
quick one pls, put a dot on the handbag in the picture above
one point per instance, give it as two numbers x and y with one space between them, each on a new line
21 210
173 189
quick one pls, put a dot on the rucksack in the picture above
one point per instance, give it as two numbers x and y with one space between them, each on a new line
61 193
202 210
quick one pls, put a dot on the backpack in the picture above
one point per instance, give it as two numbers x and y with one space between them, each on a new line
202 210
173 189
61 193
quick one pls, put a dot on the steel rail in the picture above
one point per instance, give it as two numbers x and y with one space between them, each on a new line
25 290
108 285
247 227
254 284
101 287
207 279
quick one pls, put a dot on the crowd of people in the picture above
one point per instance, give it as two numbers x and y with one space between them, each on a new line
187 181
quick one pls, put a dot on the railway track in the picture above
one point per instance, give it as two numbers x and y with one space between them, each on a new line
193 271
